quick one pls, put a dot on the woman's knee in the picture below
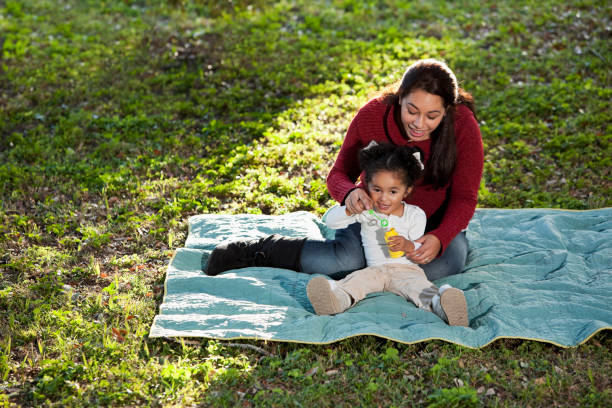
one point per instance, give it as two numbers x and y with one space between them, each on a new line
349 257
335 258
452 260
348 248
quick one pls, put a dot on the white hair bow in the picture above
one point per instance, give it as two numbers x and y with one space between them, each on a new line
417 156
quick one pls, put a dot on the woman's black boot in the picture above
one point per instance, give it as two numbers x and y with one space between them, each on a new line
275 251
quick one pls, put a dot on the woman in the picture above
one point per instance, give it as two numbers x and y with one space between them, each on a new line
428 111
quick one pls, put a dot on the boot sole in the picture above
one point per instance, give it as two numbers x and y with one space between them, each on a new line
454 305
321 297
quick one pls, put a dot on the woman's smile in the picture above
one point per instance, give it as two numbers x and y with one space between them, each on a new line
414 133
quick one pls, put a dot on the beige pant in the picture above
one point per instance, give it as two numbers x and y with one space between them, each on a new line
408 281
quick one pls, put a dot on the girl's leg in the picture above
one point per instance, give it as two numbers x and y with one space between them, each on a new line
410 282
334 258
452 260
331 297
360 284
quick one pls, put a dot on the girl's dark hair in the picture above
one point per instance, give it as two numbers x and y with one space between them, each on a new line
389 157
434 77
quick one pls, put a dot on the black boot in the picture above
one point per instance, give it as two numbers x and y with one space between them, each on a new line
275 251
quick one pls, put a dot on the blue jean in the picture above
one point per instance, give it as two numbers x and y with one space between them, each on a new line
343 255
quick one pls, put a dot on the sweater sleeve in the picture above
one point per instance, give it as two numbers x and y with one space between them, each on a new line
463 195
345 171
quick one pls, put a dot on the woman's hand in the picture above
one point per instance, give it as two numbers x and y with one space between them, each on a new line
427 252
357 202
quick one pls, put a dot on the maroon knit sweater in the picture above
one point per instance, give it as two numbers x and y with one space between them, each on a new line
462 189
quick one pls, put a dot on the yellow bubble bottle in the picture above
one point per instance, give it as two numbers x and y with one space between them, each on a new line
391 233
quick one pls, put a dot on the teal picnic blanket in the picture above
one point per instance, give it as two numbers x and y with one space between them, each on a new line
535 274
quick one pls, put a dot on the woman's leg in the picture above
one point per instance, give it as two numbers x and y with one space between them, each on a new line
334 258
452 260
274 250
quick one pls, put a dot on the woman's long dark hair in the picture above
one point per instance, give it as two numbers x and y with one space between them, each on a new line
434 77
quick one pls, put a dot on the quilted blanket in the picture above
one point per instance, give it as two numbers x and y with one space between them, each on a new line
537 274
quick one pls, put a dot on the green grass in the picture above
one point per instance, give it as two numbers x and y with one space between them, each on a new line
120 119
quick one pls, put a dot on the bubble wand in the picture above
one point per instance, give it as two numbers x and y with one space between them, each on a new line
383 222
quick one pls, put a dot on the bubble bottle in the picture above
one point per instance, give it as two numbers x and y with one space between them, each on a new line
391 233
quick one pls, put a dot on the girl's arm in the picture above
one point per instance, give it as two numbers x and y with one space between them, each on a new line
416 221
337 217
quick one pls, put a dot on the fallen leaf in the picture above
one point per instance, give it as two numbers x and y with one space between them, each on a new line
312 371
540 381
117 334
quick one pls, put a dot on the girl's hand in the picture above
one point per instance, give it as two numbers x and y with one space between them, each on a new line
358 201
399 243
427 252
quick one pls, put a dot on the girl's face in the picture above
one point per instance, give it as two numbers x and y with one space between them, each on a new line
421 114
387 190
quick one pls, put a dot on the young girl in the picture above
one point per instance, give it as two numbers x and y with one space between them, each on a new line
390 174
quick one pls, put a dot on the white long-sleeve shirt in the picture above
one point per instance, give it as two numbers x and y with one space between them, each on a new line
411 225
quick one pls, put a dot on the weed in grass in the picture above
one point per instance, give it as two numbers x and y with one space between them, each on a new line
465 396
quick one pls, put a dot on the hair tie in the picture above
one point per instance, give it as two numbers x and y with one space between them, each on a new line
417 156
370 145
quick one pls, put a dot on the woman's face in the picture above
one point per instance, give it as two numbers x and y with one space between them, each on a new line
421 114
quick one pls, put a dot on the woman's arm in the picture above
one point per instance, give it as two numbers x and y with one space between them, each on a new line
345 171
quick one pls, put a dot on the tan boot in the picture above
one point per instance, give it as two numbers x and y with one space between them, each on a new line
450 305
326 296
